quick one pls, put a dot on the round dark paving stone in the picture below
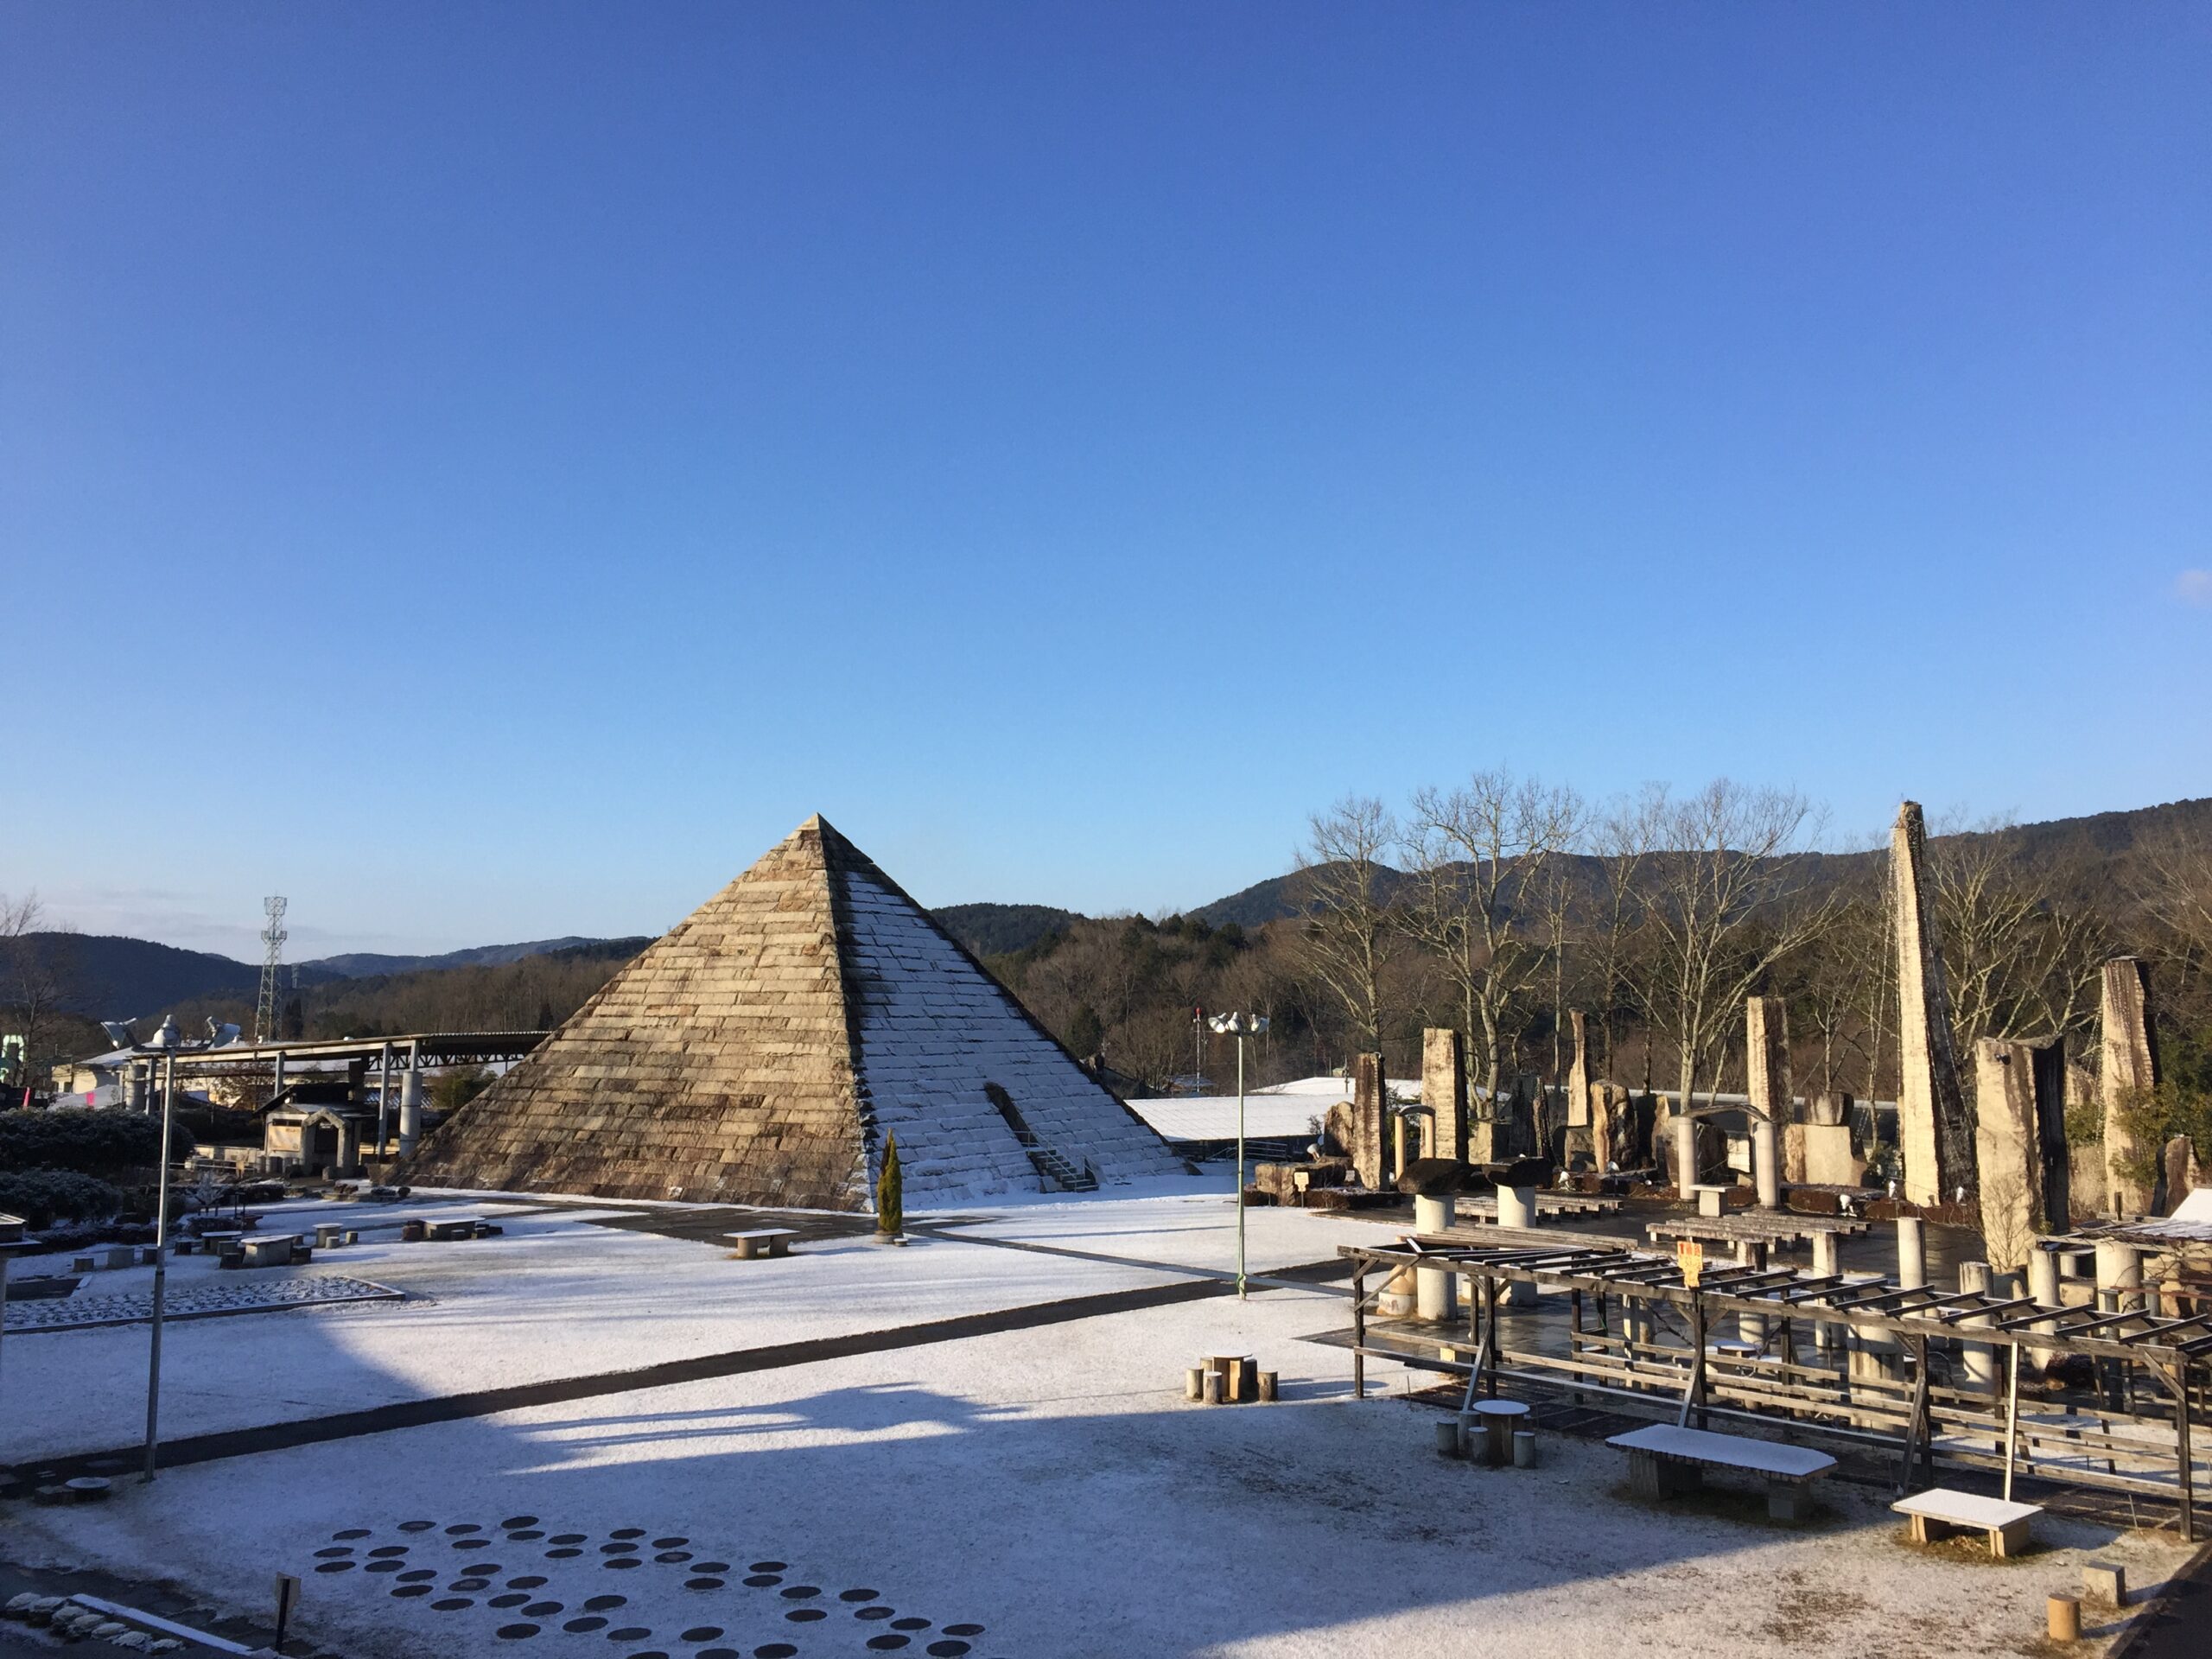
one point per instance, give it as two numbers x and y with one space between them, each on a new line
802 1593
768 1567
910 1624
460 1527
336 1553
805 1615
569 1537
619 1561
516 1632
385 1566
525 1535
702 1584
762 1580
512 1598
946 1650
885 1643
416 1575
670 1543
874 1613
581 1625
514 1521
470 1586
702 1633
528 1581
389 1549
472 1543
352 1532
710 1566
416 1526
718 1653
651 1653
618 1550
541 1610
406 1591
629 1633
671 1556
627 1532
451 1605
775 1650
963 1629
858 1595
562 1555
335 1567
601 1604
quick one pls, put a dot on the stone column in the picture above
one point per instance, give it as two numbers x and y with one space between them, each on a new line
1368 1156
2043 1287
1977 1360
410 1107
1444 1091
2131 1069
1766 1049
1516 1207
1750 1327
1578 1074
1934 1132
2008 1150
1826 1261
1434 1286
2120 1278
1685 1133
1602 1118
1912 1255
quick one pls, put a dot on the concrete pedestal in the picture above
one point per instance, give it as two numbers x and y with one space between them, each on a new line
1912 1255
1516 1207
1435 1288
1977 1360
1828 1161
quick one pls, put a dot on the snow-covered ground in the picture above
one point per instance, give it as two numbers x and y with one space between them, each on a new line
1049 1486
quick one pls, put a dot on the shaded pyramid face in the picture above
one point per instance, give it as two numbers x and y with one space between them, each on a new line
762 1051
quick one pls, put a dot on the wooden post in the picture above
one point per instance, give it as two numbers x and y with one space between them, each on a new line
1489 1334
1919 1417
2176 1383
2012 1413
1574 1332
1359 1334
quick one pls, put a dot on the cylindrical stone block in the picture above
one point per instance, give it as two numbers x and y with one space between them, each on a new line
1447 1439
1194 1382
2120 1278
1912 1255
2062 1618
1685 1154
1434 1294
1977 1360
1766 1162
1398 1299
1213 1385
1516 1207
1524 1448
1267 1386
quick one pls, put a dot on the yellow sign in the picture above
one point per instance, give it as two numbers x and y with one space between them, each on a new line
1689 1256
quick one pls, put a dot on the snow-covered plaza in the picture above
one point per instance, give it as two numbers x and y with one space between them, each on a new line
976 1444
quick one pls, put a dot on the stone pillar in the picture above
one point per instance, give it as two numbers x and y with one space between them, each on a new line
1578 1074
1935 1135
2008 1151
1750 1327
1827 1260
1516 1207
1434 1286
1368 1156
1604 1122
1766 1049
1977 1360
2120 1278
1444 1091
2043 1287
1685 1129
2181 1171
1912 1255
410 1107
2131 1069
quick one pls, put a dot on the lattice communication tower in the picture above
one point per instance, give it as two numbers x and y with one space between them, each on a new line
272 970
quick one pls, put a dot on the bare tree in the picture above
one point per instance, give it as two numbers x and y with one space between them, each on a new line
1480 858
2020 964
37 974
1723 903
1352 915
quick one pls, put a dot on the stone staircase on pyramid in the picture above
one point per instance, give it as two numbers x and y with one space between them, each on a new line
1060 1173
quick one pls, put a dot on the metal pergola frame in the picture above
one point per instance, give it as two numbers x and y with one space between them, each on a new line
1873 1311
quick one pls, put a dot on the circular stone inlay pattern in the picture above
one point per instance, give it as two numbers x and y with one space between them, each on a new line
629 1633
762 1580
416 1526
767 1567
946 1650
774 1650
963 1629
528 1581
336 1553
619 1561
802 1593
874 1612
385 1566
805 1615
562 1555
858 1595
887 1643
569 1537
710 1566
352 1532
541 1610
581 1625
672 1557
516 1632
670 1543
389 1549
702 1584
461 1527
451 1605
627 1532
525 1535
335 1567
408 1591
512 1598
416 1575
702 1633
601 1604
514 1521
910 1624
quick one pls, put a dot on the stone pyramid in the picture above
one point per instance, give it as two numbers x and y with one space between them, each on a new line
763 1051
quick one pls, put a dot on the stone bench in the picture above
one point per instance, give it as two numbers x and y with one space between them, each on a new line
1664 1460
763 1241
2005 1522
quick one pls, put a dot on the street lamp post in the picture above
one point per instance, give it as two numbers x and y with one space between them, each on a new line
164 1043
1240 1026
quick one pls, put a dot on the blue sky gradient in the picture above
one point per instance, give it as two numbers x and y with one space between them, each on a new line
517 461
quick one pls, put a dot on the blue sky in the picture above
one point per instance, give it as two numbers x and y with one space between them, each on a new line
514 462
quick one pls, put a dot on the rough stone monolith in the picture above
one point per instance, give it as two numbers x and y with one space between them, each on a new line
2008 1148
1766 1049
1444 1092
2130 1072
1934 1132
1578 1074
1369 1107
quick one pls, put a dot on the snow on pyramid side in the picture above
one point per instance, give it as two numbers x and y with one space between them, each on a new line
982 1099
762 1051
717 1066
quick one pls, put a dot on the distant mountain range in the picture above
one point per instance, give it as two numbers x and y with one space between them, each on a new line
123 978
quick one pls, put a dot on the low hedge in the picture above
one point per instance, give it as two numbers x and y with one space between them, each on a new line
92 1143
42 1197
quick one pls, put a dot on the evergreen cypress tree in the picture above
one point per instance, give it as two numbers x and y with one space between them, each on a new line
890 1193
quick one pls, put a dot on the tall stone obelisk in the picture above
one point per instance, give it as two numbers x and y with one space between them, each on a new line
1934 1132
2130 1070
1444 1091
1766 1060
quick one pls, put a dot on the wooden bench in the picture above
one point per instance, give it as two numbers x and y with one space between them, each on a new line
2005 1523
763 1241
1664 1460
